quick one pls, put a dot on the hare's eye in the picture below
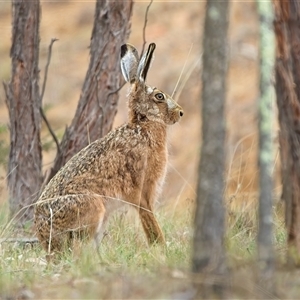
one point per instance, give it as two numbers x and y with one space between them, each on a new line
160 96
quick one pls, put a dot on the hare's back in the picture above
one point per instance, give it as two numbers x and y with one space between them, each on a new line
112 160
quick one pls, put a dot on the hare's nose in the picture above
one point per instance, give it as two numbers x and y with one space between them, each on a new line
181 113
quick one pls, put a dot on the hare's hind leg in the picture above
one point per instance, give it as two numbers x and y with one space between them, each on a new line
67 218
90 226
91 222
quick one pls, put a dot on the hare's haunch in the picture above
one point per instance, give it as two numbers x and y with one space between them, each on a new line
128 165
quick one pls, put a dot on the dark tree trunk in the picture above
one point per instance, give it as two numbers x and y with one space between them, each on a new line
98 101
23 102
287 68
209 251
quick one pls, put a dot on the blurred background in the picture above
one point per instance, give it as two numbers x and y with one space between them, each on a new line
176 28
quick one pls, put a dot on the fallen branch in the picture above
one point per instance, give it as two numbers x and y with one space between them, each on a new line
19 240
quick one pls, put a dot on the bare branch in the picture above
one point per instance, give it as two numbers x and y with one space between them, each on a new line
50 130
144 28
42 96
46 68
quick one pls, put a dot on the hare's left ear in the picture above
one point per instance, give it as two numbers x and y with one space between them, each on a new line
145 62
129 62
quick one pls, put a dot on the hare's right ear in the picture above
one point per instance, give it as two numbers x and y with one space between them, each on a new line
129 62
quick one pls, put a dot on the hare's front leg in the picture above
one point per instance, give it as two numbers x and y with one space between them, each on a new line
151 227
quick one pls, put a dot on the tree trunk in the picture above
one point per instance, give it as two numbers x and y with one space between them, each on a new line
287 68
209 252
23 102
265 159
98 100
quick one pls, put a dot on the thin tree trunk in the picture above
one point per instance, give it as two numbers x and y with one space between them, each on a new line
287 68
98 100
23 102
265 159
209 251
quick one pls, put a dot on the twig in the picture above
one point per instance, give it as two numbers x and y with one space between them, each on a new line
50 130
47 67
144 28
116 91
42 96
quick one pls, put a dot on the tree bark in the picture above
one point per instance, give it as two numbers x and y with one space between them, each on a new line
287 69
23 102
265 159
209 252
98 100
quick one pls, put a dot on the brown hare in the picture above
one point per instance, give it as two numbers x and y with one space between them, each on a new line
128 165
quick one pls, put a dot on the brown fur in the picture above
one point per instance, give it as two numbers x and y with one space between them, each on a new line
127 165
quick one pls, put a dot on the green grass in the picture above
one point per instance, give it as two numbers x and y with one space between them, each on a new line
128 267
125 258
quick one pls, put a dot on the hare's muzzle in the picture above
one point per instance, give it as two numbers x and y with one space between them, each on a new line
177 114
179 110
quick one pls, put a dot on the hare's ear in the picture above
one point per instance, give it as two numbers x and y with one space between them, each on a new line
129 62
145 62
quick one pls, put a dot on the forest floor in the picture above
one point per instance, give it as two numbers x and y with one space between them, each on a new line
128 268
